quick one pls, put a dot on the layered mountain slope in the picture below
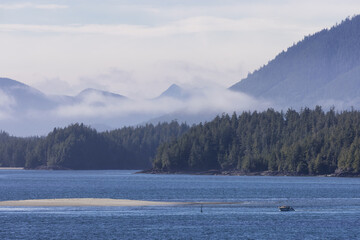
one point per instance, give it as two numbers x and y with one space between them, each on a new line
323 68
22 97
25 110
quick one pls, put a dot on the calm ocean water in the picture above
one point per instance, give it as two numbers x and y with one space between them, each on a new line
326 208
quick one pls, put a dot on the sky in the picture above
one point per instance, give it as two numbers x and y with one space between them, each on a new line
139 48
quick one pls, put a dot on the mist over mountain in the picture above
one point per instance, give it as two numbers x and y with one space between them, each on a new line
322 69
22 97
26 111
92 91
195 105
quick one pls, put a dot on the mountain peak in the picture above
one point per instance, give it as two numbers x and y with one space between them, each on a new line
174 86
175 91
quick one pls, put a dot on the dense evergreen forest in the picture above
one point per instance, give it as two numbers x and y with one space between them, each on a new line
80 147
322 69
305 142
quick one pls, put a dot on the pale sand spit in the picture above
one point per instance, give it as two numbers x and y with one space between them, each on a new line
63 202
98 202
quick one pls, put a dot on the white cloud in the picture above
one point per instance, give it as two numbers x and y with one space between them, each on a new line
50 6
31 5
194 25
222 100
6 103
54 85
114 80
210 100
96 106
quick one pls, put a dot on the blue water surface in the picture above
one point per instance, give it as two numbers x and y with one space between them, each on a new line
326 208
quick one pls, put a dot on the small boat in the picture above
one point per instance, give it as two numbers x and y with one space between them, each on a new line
286 209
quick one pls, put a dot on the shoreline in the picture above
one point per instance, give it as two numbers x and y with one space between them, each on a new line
99 202
207 172
241 173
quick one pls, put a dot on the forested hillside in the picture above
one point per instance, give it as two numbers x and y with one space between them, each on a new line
80 147
322 69
305 142
15 150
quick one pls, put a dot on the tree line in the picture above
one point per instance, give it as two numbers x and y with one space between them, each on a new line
81 147
305 142
310 141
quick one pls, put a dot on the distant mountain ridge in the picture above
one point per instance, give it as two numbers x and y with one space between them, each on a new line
323 69
24 96
26 111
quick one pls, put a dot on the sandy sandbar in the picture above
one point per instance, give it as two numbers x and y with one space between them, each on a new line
98 202
63 202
